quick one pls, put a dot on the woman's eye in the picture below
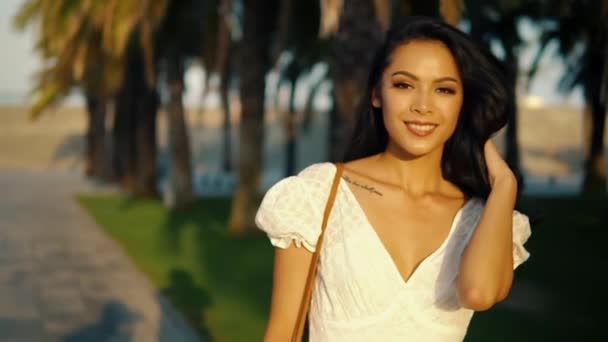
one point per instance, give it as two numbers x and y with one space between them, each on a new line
446 91
402 85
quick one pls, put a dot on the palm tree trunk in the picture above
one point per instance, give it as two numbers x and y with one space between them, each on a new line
596 89
134 134
96 154
254 61
180 169
225 99
291 130
511 140
226 72
285 18
224 67
123 145
594 181
145 140
359 33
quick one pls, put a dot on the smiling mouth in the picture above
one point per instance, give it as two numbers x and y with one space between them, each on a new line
420 129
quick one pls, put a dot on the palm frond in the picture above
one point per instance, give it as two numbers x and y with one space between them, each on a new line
49 89
27 13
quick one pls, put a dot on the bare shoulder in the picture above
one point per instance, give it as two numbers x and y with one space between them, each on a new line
364 168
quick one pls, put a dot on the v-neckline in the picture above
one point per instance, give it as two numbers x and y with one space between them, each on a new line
393 264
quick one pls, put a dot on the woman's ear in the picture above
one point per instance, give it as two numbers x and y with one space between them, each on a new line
376 99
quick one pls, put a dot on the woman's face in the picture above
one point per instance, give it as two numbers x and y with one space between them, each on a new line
420 95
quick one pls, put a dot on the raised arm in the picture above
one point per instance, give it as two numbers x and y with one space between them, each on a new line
486 268
291 266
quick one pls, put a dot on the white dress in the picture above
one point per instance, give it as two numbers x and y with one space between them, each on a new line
359 294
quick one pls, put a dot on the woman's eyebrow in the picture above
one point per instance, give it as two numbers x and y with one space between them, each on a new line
405 73
409 74
445 79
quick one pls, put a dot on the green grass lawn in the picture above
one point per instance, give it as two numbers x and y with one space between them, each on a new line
222 284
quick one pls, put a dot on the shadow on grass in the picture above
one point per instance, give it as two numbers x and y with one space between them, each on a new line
192 300
238 269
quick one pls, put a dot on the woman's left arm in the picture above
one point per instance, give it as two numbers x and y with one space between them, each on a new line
486 268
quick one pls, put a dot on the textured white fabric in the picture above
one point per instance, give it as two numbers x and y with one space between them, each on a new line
359 294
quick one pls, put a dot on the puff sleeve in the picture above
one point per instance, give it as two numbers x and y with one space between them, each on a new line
287 213
521 234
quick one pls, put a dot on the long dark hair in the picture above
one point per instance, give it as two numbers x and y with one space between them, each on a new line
483 110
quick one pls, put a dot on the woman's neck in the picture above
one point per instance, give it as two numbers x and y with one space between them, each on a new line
418 175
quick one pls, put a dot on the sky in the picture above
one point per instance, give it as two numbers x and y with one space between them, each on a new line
18 62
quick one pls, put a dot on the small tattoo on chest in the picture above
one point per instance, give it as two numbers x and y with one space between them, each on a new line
363 186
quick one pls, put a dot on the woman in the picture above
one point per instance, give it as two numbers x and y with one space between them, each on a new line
423 231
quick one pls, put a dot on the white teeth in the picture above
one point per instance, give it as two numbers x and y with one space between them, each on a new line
424 128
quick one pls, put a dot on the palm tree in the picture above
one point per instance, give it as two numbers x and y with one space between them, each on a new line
179 39
581 30
129 28
222 31
85 44
357 28
254 62
68 43
298 40
134 130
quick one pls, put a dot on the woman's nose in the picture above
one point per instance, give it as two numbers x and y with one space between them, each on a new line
421 104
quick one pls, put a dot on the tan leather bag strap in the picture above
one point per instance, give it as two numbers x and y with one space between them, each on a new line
312 271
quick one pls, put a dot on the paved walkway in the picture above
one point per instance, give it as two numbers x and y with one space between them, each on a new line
62 279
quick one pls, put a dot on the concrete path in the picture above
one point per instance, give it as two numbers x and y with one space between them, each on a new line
62 278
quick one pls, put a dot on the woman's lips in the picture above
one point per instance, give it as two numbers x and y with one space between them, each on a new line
421 130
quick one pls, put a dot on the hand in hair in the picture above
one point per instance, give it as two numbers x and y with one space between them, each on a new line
498 169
